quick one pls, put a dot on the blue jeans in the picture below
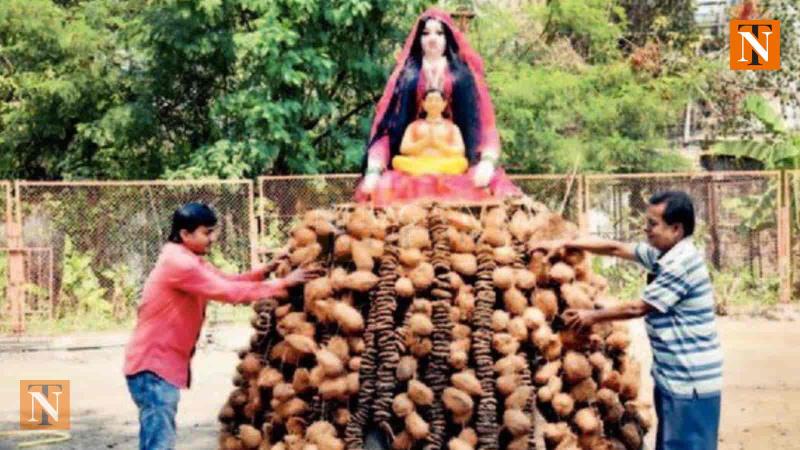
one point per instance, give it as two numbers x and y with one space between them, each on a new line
686 423
157 401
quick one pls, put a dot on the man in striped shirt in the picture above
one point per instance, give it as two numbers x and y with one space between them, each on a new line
678 307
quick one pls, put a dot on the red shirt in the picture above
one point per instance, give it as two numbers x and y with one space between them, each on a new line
173 306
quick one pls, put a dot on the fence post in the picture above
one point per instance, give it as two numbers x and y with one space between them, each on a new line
252 232
784 238
583 217
16 267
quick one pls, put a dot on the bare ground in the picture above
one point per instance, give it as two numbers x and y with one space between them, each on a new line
761 397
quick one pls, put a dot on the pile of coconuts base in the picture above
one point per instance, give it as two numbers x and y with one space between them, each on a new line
440 327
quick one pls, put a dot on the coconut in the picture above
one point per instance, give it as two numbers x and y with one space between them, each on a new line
465 302
500 319
402 405
505 344
505 255
330 363
283 392
533 318
563 404
412 214
402 441
353 383
305 255
510 364
301 381
575 297
542 337
420 324
406 368
342 247
416 426
525 279
375 246
503 278
285 353
362 256
506 384
517 422
518 329
618 341
612 380
553 349
341 417
458 359
361 281
461 221
419 393
585 391
547 302
335 388
495 237
422 277
251 365
514 301
457 401
630 435
561 273
292 407
320 430
464 263
459 444
576 367
404 287
519 398
556 432
467 382
546 372
460 242
469 436
415 237
348 318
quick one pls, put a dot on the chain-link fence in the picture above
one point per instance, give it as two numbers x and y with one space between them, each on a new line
6 209
105 236
738 217
283 198
90 245
561 193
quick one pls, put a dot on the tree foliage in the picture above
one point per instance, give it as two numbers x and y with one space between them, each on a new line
238 88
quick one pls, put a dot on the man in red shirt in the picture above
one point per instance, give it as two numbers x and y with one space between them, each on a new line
171 314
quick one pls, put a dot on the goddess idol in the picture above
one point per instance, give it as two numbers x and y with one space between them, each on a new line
457 163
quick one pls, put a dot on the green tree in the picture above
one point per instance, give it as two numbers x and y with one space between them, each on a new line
568 94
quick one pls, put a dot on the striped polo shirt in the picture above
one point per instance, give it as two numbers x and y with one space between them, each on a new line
687 358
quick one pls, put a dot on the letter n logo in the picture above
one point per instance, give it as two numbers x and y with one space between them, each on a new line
44 405
755 45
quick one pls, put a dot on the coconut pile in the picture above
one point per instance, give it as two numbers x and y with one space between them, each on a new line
439 327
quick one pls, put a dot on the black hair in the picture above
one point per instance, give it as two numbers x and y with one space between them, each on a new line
678 209
402 110
189 217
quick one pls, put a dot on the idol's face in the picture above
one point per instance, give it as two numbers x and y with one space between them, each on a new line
434 104
433 40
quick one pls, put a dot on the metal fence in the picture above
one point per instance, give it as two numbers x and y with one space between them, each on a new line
104 237
110 233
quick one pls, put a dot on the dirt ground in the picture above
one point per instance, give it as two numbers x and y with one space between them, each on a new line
760 403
